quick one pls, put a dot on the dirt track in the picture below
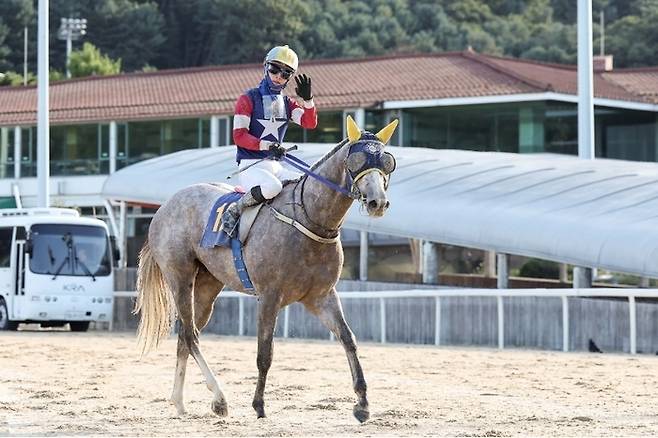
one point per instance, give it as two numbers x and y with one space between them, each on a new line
95 384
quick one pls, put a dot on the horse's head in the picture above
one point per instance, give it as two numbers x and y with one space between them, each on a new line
369 166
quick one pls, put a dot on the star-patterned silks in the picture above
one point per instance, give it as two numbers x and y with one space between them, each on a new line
271 127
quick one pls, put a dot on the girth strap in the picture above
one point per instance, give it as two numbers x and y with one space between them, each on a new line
305 231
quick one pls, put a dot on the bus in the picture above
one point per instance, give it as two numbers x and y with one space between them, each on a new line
56 268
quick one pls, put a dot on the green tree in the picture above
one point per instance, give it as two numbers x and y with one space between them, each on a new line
90 61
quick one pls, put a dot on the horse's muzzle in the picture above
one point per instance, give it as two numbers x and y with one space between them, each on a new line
377 207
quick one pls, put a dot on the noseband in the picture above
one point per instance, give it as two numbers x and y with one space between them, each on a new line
365 156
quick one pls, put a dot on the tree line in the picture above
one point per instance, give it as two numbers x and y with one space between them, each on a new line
161 34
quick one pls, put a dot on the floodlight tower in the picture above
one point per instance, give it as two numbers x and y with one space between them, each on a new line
71 29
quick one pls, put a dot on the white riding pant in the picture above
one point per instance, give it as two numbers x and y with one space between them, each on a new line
267 174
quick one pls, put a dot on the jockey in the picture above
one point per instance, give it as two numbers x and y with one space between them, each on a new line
261 119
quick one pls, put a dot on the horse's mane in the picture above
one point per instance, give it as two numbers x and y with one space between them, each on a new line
329 154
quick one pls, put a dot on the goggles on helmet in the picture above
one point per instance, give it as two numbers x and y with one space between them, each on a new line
276 69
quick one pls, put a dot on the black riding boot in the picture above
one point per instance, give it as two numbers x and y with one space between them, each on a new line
232 213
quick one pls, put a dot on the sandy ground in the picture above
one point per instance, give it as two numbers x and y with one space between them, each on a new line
61 383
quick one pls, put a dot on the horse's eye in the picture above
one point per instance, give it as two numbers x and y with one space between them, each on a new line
356 161
388 163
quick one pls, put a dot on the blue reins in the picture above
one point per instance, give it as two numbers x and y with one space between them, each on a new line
303 167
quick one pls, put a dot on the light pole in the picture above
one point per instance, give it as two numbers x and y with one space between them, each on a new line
71 29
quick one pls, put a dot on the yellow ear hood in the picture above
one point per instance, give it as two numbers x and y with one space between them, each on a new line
387 132
353 131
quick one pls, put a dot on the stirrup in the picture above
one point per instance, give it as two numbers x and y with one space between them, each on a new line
230 221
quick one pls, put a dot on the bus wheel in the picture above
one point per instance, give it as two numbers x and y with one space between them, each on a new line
79 326
5 323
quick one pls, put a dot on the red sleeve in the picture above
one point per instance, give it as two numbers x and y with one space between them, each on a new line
309 116
241 120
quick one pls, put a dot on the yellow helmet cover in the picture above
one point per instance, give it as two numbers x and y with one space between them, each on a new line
283 55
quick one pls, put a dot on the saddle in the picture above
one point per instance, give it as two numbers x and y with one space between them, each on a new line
213 235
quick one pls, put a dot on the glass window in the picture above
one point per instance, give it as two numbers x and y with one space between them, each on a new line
7 144
224 131
179 134
329 129
561 128
29 151
74 150
104 148
626 134
143 141
69 250
203 134
5 246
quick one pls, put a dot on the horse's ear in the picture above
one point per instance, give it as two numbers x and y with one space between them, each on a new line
387 132
353 131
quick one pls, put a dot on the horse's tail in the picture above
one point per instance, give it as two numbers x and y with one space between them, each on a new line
154 301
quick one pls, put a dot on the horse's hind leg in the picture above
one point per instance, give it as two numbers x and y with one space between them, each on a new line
268 309
181 285
330 312
206 288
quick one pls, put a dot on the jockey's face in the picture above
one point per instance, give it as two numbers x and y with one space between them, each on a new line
279 74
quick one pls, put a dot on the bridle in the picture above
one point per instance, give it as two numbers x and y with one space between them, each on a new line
364 156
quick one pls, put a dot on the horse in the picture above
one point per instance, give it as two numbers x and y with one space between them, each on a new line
176 276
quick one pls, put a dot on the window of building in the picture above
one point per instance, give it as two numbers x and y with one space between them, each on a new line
329 130
29 151
561 128
75 150
7 143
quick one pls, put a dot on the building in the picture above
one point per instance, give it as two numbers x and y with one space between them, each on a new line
458 100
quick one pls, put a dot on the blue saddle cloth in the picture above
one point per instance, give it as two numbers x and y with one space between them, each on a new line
214 236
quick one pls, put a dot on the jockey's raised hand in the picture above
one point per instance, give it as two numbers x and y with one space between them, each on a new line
277 150
303 88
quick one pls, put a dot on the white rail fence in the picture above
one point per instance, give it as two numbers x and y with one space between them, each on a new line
499 294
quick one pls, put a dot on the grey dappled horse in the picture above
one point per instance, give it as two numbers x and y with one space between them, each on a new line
177 276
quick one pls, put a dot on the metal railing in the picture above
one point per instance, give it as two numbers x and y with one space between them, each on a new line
499 294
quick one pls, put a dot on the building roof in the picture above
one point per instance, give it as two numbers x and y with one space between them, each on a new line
597 213
338 84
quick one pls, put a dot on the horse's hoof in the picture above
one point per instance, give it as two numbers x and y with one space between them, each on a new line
361 412
219 407
180 408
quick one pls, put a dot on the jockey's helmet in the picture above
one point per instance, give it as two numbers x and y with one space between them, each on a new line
283 55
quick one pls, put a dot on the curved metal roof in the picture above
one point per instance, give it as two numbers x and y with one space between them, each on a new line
599 213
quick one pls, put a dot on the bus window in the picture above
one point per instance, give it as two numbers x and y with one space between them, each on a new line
69 250
5 247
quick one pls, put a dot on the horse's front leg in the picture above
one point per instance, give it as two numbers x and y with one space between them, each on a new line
328 309
268 309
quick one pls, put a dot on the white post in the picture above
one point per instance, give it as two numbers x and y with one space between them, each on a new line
123 262
240 316
565 324
363 256
360 118
69 46
17 195
585 83
382 319
25 55
582 277
110 214
501 322
43 122
214 131
430 262
286 321
113 147
633 324
502 278
437 320
18 145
